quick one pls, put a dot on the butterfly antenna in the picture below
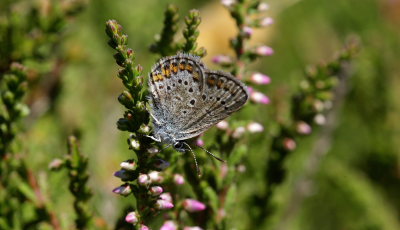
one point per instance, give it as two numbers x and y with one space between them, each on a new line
195 160
210 153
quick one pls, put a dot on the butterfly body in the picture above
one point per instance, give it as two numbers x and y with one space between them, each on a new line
186 98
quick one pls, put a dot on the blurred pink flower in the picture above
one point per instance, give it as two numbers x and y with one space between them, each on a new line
166 196
289 144
144 227
303 128
199 142
239 131
223 125
155 177
259 97
192 228
169 225
191 205
266 21
222 59
228 3
144 179
156 190
248 31
179 179
255 127
264 51
263 6
163 204
260 79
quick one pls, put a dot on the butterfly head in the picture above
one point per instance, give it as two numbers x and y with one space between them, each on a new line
179 146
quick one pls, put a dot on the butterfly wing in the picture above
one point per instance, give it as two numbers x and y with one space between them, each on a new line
175 83
222 95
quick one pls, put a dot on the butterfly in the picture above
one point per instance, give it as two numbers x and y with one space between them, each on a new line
187 98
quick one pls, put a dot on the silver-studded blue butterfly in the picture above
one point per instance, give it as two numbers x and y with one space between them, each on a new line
186 99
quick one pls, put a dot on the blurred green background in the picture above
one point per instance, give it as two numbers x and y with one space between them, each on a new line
358 183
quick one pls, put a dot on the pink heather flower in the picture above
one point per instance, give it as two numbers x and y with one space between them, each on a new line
199 142
192 228
260 79
320 119
134 143
266 21
263 6
123 190
131 218
223 125
169 225
248 31
56 164
222 59
156 190
259 97
144 179
241 168
255 127
250 90
289 144
144 227
129 165
239 131
228 3
166 196
179 179
191 205
163 204
264 51
155 177
224 170
303 128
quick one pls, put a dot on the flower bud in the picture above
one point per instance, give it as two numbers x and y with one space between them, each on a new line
169 225
156 190
153 151
132 218
129 165
248 31
260 79
191 205
133 143
289 144
144 227
228 3
239 131
155 177
163 204
264 51
320 119
166 196
200 142
259 97
222 59
144 179
303 128
126 99
192 228
266 21
223 125
263 6
179 179
255 127
56 164
123 190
